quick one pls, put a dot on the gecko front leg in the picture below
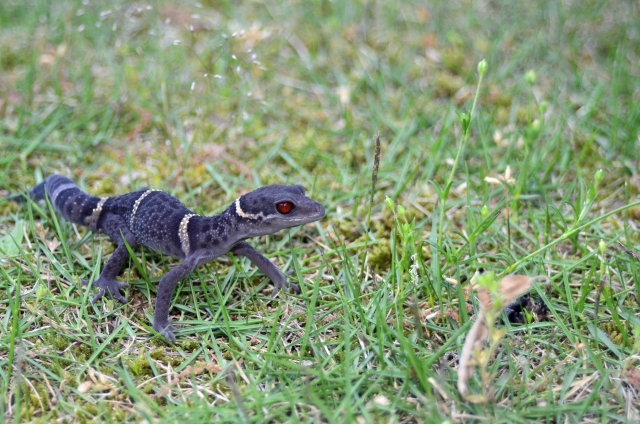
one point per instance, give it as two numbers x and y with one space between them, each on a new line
161 322
264 265
116 228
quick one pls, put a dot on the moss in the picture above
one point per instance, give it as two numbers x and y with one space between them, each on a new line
40 397
410 214
523 115
157 354
10 56
67 359
27 413
9 208
499 97
105 187
81 352
387 221
60 342
140 365
173 361
454 59
349 230
117 414
70 380
190 345
80 417
158 341
380 255
196 175
447 85
611 328
91 409
502 116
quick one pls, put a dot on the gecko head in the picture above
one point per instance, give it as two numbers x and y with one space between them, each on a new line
276 207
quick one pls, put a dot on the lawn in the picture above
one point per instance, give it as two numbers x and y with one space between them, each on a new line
433 166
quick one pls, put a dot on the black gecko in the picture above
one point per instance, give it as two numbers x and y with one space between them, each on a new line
161 222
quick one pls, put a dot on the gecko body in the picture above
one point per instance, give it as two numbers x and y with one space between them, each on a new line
157 220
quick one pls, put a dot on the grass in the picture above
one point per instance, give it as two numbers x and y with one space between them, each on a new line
214 99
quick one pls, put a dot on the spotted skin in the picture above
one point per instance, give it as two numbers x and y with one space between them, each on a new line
161 222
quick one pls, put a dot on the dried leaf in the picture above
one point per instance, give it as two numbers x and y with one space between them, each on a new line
492 180
476 337
92 375
85 387
510 288
632 377
381 400
52 244
506 179
188 372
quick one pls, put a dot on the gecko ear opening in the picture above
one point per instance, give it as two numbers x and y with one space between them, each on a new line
284 207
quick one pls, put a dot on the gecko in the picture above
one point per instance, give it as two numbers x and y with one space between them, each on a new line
161 222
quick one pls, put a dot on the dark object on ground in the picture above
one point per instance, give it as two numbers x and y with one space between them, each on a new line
515 311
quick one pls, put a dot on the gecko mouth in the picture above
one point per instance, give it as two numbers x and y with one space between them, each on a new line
300 221
319 214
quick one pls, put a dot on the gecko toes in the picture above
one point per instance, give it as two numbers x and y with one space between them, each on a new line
293 287
109 287
287 286
166 329
169 336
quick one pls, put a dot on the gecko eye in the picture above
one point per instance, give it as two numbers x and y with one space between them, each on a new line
284 207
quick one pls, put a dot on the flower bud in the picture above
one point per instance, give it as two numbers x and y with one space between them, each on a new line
401 212
543 107
389 203
530 77
482 67
598 178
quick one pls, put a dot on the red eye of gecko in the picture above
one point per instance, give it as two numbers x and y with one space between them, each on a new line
284 207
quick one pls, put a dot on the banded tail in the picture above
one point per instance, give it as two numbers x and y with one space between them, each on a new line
67 199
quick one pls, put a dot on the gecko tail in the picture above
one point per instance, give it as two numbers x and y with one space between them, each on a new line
36 193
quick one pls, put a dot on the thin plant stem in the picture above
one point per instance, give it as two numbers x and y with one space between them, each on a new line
463 142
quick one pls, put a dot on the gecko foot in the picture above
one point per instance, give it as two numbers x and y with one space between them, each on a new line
166 329
286 285
109 287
